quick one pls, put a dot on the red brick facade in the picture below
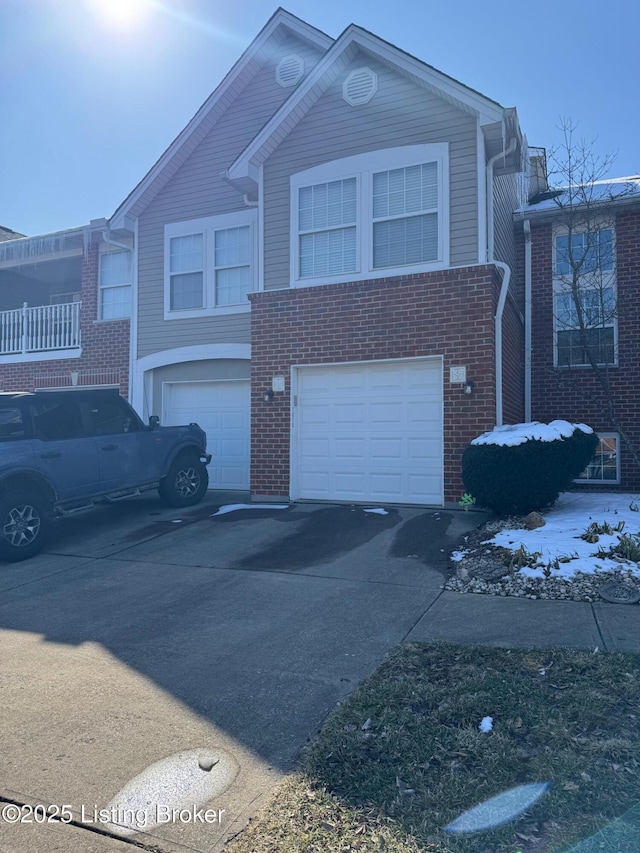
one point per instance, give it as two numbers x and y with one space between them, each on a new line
574 394
449 314
105 348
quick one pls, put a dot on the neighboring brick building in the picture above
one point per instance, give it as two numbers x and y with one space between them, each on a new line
71 332
571 391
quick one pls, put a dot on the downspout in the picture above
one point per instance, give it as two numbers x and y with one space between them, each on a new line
133 325
506 276
527 320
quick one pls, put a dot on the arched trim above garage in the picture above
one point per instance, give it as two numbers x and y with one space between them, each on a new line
140 380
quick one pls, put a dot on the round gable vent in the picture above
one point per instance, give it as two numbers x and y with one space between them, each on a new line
360 86
289 70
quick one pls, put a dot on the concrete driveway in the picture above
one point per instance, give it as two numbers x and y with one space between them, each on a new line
144 632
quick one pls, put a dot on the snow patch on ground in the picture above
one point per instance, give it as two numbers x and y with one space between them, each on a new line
233 507
377 511
511 435
566 521
458 555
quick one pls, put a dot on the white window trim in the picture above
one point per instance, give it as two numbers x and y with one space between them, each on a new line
585 481
362 167
102 287
609 279
207 226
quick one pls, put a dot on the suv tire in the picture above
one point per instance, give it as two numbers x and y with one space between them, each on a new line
186 481
25 519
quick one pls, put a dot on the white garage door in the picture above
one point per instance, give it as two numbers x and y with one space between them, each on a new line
370 432
223 410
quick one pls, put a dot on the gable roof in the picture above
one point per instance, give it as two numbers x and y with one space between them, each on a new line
489 112
9 234
281 24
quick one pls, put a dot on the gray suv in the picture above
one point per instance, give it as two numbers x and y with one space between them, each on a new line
62 451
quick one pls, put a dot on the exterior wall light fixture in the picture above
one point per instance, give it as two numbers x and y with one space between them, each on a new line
469 386
268 396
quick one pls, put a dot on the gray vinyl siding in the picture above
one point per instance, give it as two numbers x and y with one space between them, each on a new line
506 199
197 190
400 113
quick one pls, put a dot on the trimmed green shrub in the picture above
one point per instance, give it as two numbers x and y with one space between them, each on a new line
513 470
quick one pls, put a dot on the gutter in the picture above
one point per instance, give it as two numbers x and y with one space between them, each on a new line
506 276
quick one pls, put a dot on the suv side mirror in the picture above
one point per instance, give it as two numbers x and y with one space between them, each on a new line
154 421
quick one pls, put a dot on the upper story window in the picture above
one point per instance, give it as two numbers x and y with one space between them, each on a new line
210 265
377 214
115 285
585 297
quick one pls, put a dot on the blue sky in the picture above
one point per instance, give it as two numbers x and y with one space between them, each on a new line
89 104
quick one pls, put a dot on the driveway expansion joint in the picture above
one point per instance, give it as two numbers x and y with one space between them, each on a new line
599 629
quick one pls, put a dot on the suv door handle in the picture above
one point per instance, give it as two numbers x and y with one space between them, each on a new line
109 446
52 454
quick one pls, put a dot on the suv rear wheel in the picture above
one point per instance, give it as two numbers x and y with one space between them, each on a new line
24 524
186 481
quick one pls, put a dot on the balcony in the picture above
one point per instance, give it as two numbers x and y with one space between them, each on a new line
43 329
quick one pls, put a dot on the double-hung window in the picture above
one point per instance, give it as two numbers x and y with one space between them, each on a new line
210 265
327 224
584 297
405 216
115 285
371 215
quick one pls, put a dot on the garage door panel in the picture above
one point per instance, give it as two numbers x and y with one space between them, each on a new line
350 483
371 426
387 485
315 414
348 448
222 409
347 413
386 449
423 448
315 483
314 448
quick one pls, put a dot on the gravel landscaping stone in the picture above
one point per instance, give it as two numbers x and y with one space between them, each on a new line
484 569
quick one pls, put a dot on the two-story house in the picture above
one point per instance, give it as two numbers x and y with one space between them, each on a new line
580 249
65 302
323 271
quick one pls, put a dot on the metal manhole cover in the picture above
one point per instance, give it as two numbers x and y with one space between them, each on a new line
619 593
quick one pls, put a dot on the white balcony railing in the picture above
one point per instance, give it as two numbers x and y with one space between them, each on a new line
45 328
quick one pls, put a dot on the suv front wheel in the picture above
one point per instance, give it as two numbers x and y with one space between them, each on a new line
24 524
186 481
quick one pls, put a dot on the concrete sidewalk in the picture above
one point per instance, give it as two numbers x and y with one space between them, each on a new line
524 623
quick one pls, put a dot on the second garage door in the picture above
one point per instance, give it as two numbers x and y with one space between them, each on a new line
369 432
223 411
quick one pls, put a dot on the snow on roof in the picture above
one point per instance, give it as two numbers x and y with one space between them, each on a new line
513 434
613 189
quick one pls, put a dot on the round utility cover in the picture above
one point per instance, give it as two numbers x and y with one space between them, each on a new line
619 593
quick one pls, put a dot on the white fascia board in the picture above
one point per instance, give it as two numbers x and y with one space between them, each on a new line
295 107
120 218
